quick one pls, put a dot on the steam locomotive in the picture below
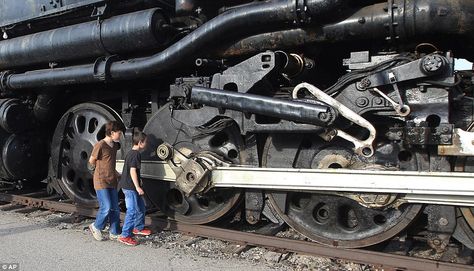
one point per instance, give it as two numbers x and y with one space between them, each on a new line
344 119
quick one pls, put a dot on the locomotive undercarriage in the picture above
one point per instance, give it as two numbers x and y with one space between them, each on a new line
384 144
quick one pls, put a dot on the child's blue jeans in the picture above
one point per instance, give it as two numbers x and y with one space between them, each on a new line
108 210
135 216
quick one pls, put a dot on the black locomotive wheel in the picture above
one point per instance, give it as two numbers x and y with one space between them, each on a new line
466 164
78 130
330 219
195 209
468 214
465 223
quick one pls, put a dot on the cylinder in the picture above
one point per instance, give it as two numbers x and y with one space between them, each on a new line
22 152
115 35
14 116
22 156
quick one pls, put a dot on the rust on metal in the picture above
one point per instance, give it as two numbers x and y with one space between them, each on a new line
270 41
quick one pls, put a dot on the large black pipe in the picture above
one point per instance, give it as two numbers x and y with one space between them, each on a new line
407 19
119 34
317 114
257 18
448 22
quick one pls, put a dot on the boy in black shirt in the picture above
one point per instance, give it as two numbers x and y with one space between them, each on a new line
131 186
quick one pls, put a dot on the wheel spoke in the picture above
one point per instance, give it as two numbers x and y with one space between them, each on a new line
79 124
87 185
69 131
78 183
193 204
299 202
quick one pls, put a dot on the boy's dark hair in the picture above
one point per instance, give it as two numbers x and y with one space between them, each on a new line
112 126
138 136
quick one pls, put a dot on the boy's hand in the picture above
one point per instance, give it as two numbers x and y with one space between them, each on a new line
140 191
91 168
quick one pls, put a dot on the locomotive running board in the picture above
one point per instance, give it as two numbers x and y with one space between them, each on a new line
450 188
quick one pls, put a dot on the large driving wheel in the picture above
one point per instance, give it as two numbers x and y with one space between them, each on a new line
327 218
223 139
465 215
76 133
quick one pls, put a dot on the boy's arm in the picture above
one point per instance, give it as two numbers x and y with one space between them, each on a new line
92 163
117 174
94 156
92 160
134 175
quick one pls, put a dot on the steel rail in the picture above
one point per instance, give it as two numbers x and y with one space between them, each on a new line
379 259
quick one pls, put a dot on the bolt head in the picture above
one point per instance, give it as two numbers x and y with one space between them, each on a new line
432 64
362 102
190 177
443 221
364 83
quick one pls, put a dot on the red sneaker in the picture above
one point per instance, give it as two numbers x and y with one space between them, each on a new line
144 232
128 241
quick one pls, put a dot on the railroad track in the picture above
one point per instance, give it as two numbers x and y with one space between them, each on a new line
381 260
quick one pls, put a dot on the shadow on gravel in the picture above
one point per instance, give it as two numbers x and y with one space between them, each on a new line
8 223
22 229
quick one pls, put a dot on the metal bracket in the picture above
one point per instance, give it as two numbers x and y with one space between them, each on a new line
191 172
253 206
401 109
425 67
102 68
441 225
392 35
99 10
463 144
423 135
247 73
4 81
300 13
362 147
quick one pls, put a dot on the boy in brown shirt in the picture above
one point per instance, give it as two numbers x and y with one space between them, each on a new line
103 158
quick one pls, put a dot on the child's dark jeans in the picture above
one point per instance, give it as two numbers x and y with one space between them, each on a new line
135 216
